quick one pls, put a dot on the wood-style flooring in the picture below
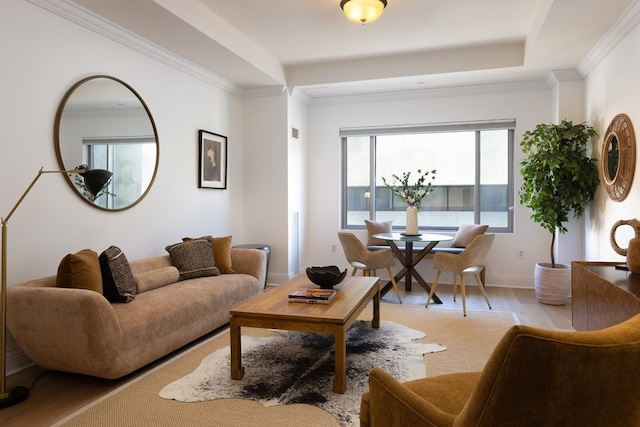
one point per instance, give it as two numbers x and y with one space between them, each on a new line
55 395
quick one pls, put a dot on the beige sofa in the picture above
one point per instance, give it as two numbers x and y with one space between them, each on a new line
80 331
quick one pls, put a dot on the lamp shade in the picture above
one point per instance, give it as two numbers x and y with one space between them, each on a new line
363 11
94 179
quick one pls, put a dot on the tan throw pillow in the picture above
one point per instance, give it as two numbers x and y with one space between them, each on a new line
81 271
222 253
375 227
193 258
466 233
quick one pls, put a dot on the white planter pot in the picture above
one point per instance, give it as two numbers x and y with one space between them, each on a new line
553 285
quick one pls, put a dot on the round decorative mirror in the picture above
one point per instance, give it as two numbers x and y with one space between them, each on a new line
103 123
618 159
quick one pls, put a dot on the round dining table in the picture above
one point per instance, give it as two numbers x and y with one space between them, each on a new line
411 256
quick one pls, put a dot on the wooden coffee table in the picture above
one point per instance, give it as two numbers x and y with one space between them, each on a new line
272 310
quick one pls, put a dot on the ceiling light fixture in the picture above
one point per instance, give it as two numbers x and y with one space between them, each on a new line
363 11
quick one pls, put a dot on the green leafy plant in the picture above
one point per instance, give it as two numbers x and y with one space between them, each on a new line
559 176
412 195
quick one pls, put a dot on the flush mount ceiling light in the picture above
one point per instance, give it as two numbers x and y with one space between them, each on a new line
363 11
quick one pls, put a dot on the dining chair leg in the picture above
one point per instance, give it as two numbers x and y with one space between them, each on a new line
462 292
455 286
484 292
393 282
433 287
355 270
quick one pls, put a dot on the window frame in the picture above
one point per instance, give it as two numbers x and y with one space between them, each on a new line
477 126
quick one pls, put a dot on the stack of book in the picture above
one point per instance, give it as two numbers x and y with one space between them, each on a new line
312 296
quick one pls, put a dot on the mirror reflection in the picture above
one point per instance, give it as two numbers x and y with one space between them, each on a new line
104 124
613 157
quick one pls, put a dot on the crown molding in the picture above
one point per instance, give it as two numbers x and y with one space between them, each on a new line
79 15
469 90
622 27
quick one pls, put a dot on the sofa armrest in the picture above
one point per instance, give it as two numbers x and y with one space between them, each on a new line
250 261
62 328
390 403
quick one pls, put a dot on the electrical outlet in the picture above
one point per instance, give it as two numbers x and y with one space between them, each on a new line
333 248
520 254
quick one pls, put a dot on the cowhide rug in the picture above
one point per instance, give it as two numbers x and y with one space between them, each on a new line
296 367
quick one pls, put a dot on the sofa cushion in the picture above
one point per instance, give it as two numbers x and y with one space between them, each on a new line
80 270
153 279
193 258
466 233
377 227
117 278
221 252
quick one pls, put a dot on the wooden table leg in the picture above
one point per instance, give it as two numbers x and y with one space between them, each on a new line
237 370
340 359
375 323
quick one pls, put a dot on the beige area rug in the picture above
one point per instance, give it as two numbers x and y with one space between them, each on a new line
469 343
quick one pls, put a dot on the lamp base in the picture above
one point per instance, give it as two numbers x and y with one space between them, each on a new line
13 396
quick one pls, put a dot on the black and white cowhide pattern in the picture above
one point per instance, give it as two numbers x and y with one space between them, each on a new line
296 367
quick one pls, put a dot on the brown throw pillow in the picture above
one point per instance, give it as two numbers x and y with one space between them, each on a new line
81 271
222 254
466 233
193 258
375 227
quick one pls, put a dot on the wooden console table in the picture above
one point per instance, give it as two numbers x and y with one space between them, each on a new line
601 295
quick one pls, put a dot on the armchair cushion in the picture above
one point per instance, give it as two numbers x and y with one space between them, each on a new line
466 233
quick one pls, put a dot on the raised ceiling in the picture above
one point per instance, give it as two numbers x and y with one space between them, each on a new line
311 45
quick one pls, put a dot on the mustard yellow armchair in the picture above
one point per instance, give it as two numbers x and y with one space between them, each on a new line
534 377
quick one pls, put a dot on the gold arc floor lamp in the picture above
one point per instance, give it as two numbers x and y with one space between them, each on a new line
95 179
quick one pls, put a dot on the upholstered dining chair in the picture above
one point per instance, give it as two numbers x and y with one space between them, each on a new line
471 261
361 258
534 377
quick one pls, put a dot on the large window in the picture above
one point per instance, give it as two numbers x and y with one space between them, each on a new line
473 184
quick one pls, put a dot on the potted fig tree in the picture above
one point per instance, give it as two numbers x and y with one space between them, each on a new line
559 179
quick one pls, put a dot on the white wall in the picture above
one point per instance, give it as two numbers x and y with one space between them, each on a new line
528 105
613 88
43 55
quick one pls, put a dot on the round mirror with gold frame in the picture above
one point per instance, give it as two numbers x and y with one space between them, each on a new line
102 122
618 160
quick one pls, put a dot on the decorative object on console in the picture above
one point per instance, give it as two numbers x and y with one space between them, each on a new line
9 397
212 160
618 157
633 250
559 178
411 194
363 11
326 277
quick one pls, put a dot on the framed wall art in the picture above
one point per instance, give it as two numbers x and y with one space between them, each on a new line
212 160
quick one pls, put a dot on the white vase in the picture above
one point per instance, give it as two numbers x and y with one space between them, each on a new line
412 220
